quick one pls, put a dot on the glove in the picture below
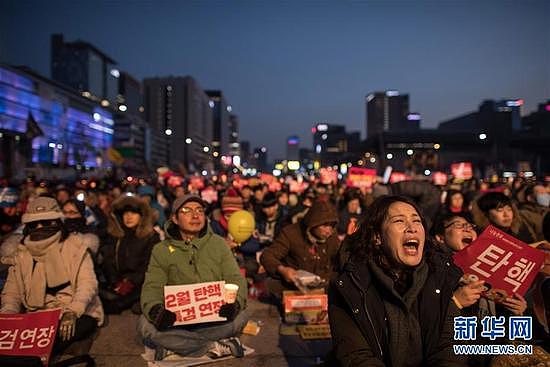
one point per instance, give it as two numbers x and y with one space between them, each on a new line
230 310
67 325
124 287
161 317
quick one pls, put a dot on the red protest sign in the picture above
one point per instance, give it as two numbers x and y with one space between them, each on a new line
197 183
462 170
398 177
361 177
209 195
174 181
195 303
506 264
298 187
328 176
439 178
267 178
29 334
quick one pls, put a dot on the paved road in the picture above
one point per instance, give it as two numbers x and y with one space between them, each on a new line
118 344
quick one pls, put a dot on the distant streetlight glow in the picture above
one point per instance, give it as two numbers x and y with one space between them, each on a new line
168 132
482 136
437 146
410 152
205 149
122 108
188 141
389 156
372 160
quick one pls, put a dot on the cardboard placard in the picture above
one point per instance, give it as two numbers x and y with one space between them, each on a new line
311 308
29 334
310 332
506 264
195 303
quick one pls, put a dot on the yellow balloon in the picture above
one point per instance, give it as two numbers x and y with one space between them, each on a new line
241 224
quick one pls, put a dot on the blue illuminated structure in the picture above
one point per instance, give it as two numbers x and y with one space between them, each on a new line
76 130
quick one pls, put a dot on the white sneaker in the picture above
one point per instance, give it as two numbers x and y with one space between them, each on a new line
226 347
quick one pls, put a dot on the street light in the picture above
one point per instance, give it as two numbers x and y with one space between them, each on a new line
188 141
168 131
482 136
389 156
205 149
410 152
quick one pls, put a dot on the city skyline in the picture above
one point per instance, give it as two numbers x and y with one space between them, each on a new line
284 67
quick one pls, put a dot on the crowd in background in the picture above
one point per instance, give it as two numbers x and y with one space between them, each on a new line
315 229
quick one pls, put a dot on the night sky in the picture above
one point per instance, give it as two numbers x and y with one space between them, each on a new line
287 65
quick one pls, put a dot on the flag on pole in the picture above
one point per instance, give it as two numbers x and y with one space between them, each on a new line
33 130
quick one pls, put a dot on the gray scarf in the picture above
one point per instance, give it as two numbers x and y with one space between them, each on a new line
49 269
405 338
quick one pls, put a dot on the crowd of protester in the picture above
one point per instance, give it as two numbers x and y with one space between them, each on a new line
95 247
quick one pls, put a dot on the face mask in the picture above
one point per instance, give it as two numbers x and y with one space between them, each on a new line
543 199
75 224
42 233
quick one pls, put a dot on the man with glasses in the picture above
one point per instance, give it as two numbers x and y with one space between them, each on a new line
191 253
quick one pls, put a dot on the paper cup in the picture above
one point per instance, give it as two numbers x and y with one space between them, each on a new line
231 292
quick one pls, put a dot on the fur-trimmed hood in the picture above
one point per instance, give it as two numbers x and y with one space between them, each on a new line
145 226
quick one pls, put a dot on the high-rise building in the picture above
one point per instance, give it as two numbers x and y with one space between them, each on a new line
220 125
234 146
389 112
332 144
260 158
293 148
85 68
178 108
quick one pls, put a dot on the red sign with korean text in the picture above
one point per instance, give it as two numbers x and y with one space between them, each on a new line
195 303
239 183
506 264
328 176
29 334
360 177
462 170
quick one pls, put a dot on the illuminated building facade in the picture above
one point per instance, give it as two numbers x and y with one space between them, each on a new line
76 131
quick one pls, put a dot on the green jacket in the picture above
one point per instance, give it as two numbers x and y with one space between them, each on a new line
174 262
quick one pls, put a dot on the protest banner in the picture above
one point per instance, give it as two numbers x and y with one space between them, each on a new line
361 177
195 303
29 334
506 264
462 170
328 176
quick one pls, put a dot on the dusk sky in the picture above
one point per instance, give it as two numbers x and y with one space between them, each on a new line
285 66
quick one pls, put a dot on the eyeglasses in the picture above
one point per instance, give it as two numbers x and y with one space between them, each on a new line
464 226
190 211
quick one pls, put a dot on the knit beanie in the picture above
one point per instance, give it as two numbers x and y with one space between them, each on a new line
231 202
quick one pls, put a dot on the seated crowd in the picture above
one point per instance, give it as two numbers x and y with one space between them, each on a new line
384 256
